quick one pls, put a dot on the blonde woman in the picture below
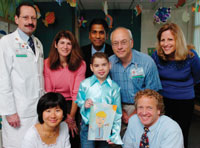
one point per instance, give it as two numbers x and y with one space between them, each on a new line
179 71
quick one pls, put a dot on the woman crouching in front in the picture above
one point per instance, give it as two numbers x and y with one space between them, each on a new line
50 131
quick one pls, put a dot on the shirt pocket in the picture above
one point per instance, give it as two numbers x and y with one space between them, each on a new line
138 83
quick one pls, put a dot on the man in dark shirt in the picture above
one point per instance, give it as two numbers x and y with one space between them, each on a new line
98 29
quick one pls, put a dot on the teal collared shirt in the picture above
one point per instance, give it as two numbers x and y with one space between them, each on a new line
108 92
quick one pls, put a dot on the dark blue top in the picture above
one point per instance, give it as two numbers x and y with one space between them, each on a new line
178 77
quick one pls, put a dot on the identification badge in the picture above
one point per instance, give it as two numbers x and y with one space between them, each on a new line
21 51
137 73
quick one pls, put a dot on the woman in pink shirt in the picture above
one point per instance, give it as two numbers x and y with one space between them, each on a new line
64 69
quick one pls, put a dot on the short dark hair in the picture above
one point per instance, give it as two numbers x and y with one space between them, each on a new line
99 55
50 100
17 11
99 21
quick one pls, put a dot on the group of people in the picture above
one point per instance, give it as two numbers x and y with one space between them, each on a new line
46 103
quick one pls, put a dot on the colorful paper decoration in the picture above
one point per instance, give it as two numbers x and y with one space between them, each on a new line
105 7
49 18
162 14
60 1
196 8
185 16
138 10
38 11
82 22
152 0
180 3
72 3
109 20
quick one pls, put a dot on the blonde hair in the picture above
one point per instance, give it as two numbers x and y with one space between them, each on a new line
101 114
181 51
151 94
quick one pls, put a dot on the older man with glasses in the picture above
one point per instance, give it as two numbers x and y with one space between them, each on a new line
132 70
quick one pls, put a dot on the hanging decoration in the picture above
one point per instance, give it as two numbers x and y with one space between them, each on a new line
197 7
60 1
180 3
82 22
49 18
138 9
152 0
109 20
38 11
185 16
72 3
162 14
105 7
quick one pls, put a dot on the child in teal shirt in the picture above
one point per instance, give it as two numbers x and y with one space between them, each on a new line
99 88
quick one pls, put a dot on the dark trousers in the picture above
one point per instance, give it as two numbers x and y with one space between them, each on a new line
75 142
181 111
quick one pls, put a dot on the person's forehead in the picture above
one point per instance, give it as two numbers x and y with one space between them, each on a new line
120 34
27 9
97 27
151 101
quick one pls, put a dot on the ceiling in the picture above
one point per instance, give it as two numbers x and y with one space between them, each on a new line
125 4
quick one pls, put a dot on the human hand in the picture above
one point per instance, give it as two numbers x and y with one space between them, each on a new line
125 117
88 103
72 125
109 141
13 120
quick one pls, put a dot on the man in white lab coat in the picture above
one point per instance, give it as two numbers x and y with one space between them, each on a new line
21 78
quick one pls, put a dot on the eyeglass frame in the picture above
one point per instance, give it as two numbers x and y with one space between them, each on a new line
122 42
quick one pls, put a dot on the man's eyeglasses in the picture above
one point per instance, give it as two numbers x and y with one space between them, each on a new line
26 18
123 43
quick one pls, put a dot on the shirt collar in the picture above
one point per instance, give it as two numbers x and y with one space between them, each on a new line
95 80
94 50
155 125
23 35
134 60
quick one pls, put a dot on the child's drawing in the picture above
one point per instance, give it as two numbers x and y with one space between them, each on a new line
101 121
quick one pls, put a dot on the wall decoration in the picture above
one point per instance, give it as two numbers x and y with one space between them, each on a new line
162 15
105 7
197 7
180 3
38 11
72 3
109 20
138 9
60 1
185 16
49 18
82 22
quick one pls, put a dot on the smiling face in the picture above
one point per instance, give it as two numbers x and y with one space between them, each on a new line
97 36
64 47
168 43
100 67
100 121
147 110
122 44
27 20
52 116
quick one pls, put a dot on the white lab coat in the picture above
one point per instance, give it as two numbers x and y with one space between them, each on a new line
21 76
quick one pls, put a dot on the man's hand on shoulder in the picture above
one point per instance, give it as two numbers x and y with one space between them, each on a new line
13 120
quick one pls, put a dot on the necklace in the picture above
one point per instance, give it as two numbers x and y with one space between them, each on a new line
46 135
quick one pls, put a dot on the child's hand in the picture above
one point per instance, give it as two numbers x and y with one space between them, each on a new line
88 103
109 141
